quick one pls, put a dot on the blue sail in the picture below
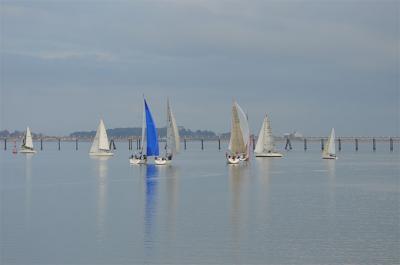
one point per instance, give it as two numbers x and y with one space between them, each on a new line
151 133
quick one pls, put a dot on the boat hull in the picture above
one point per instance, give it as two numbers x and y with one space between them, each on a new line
101 154
27 151
135 161
232 161
329 157
160 161
269 155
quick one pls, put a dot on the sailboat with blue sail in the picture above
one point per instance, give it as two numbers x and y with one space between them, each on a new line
149 146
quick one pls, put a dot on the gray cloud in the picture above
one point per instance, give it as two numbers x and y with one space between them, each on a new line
307 63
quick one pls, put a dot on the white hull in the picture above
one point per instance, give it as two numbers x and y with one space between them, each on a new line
269 155
233 161
135 161
329 157
160 161
244 158
101 154
27 151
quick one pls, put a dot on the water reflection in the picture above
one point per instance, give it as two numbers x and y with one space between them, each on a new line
172 189
28 188
101 167
264 168
330 166
151 183
238 179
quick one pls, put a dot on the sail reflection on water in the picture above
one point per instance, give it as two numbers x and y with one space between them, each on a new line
101 169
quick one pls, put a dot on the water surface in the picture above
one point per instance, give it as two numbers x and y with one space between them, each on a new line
63 207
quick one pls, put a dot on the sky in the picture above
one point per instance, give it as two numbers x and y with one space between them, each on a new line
311 65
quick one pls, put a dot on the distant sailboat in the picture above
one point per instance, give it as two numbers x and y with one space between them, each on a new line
244 125
27 143
100 145
265 144
173 141
149 138
330 148
237 148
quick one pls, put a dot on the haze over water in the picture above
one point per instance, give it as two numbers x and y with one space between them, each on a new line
63 207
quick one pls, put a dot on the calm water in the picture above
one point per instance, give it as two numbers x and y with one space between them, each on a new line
62 207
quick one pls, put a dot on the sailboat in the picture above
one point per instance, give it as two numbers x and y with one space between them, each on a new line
172 146
149 146
27 143
330 148
100 145
237 149
265 144
244 125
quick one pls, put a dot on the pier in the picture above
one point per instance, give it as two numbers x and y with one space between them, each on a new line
281 143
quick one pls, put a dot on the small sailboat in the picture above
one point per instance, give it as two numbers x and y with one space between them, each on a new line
330 148
237 149
172 146
27 143
149 146
265 144
100 145
244 125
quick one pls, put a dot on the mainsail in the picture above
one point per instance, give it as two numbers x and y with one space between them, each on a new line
265 141
173 141
151 133
100 141
27 141
244 125
330 148
236 142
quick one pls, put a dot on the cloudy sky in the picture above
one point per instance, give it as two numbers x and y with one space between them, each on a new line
311 65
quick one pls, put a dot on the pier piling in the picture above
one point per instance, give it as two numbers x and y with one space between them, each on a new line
41 143
391 144
59 144
356 143
202 144
340 144
305 144
5 144
373 144
254 142
322 144
219 143
288 145
76 144
184 142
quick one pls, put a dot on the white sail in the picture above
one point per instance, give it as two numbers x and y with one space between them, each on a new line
244 125
27 141
265 142
173 140
260 142
103 139
236 142
143 139
100 141
330 148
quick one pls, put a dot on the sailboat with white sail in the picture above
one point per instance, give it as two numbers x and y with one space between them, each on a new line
244 125
27 143
172 146
330 148
100 145
237 149
149 146
265 146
